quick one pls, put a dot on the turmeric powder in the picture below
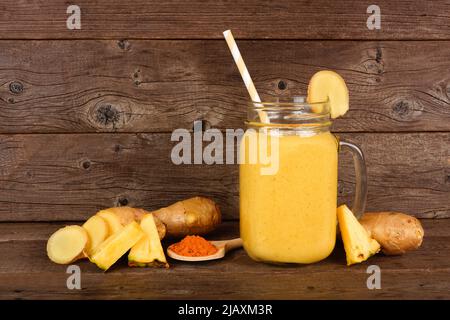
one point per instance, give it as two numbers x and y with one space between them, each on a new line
194 246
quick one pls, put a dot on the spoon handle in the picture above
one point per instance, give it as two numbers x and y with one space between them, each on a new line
233 244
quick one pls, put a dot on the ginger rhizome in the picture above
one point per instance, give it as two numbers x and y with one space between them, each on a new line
396 232
196 215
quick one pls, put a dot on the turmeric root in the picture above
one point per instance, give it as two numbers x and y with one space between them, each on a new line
148 251
396 232
358 244
196 215
67 245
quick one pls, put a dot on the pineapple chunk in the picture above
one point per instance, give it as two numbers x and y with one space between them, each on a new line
148 251
358 244
113 220
115 246
328 85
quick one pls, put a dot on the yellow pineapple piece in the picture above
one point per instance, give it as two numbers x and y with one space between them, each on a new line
358 244
328 85
116 245
148 251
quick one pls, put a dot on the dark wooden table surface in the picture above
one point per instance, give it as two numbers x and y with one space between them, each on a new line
26 273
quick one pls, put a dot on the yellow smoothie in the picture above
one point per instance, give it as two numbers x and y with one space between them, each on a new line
290 216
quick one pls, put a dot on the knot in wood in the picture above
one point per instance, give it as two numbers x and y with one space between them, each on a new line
402 110
86 164
122 201
124 44
107 114
16 87
282 85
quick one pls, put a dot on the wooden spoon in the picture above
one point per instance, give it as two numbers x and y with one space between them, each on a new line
223 247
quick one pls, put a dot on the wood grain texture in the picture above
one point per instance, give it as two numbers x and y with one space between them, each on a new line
50 177
156 86
26 273
284 19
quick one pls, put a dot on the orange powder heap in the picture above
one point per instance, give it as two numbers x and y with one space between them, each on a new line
194 246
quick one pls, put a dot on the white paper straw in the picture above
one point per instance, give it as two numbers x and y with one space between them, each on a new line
244 73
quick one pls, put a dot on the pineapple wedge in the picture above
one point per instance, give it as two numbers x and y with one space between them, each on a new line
358 244
328 85
116 245
148 251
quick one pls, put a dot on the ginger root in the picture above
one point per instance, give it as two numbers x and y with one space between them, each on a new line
358 244
112 219
118 217
67 245
396 232
196 215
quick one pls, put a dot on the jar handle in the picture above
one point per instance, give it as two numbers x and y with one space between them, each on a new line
359 203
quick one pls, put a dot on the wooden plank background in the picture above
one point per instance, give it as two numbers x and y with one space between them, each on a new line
156 86
251 19
86 115
69 177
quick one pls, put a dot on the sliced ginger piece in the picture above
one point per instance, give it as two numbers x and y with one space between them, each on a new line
67 245
117 217
358 244
148 251
98 230
116 245
328 85
112 219
126 215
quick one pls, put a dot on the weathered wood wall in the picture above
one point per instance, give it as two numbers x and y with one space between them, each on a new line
86 115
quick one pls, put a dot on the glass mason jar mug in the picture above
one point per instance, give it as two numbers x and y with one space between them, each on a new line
288 177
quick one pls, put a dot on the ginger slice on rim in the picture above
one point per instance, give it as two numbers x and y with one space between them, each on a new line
329 86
